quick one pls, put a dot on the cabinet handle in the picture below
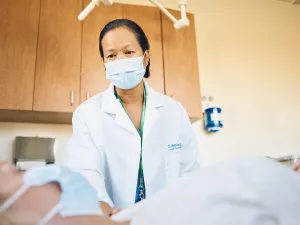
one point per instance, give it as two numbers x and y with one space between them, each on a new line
87 95
72 98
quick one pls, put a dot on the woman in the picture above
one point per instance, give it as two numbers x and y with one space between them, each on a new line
129 141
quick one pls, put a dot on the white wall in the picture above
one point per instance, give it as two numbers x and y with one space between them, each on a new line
249 60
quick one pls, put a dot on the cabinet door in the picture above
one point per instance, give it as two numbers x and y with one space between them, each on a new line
57 82
93 79
18 42
149 18
181 64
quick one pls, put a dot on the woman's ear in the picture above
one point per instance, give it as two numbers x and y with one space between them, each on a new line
147 57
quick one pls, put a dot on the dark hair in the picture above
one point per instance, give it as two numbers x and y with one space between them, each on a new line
133 27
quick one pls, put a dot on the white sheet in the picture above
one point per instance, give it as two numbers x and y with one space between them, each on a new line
245 191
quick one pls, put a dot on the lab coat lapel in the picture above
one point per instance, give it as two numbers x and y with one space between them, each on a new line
124 121
154 103
111 105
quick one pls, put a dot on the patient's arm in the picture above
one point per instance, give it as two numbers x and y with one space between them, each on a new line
38 201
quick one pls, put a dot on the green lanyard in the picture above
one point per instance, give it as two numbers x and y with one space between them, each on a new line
140 191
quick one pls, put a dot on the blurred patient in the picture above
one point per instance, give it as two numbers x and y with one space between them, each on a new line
244 191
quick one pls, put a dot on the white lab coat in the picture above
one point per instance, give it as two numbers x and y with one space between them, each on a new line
105 146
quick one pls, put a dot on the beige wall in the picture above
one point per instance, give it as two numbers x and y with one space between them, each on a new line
249 60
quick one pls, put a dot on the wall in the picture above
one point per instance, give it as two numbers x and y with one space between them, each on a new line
249 60
8 132
249 57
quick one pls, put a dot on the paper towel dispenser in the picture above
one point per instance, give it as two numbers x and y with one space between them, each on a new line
34 149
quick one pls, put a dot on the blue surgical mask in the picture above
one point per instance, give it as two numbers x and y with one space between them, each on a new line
77 197
125 73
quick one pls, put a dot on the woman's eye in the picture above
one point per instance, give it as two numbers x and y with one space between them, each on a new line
111 56
129 52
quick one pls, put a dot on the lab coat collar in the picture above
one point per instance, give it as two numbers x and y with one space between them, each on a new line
155 101
109 101
111 105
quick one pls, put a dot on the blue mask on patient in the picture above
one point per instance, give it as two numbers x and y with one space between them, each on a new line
78 197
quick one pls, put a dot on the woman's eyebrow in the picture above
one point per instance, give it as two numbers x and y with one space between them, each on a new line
110 49
123 46
126 45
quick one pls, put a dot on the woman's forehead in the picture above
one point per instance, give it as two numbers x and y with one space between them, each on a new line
119 38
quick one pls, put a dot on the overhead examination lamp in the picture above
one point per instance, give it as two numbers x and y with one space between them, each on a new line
178 24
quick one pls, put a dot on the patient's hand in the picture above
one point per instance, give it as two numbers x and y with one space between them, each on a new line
296 166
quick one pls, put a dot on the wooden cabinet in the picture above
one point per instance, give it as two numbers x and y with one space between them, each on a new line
93 79
149 18
18 41
181 64
57 78
50 62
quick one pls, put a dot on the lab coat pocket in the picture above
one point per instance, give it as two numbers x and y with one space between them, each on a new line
172 165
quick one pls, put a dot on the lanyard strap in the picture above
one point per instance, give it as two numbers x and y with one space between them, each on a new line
140 189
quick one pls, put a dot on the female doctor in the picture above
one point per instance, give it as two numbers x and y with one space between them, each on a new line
129 141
